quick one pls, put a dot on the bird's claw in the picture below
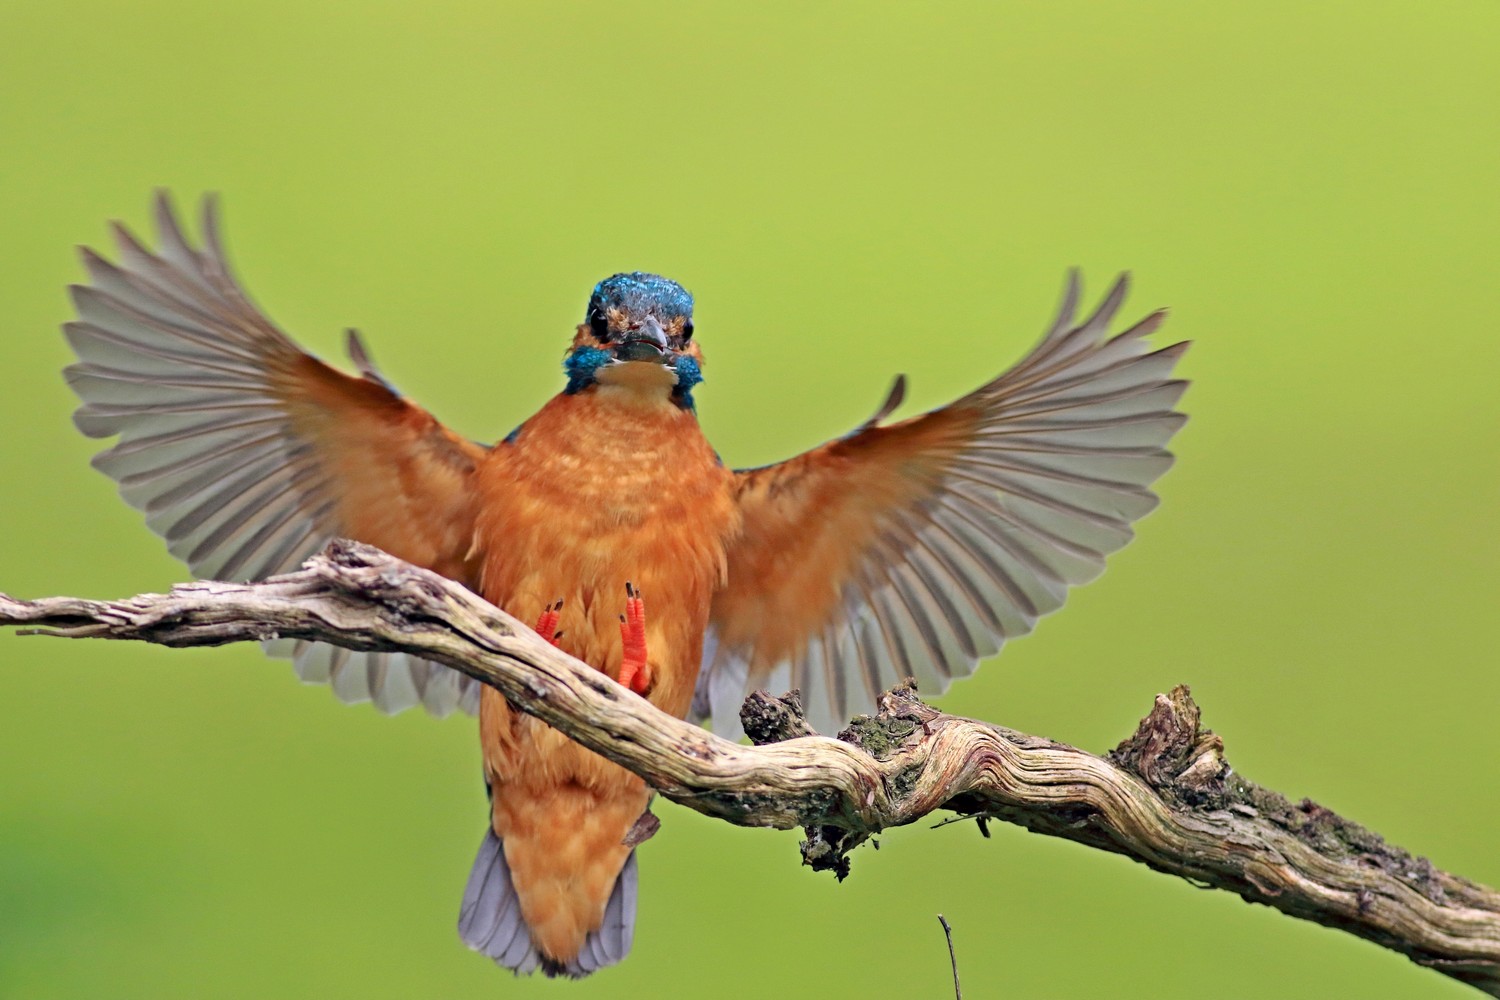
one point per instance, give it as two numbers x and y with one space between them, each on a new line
546 625
633 671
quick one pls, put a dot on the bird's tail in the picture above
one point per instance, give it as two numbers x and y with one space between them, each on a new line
490 920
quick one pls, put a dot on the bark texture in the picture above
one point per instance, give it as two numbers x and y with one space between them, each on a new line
1166 796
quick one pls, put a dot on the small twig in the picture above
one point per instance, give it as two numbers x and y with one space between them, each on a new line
958 993
979 819
643 829
1166 797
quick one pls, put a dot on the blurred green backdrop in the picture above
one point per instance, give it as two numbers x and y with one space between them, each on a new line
851 192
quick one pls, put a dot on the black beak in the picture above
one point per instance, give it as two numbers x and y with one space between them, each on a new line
647 342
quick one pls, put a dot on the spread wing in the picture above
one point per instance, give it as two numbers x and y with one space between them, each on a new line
247 454
917 549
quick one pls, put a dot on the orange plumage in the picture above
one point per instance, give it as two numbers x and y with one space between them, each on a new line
646 502
909 550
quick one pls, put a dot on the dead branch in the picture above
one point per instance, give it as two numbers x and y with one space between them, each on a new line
1165 797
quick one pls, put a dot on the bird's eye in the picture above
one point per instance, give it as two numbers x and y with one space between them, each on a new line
687 330
600 325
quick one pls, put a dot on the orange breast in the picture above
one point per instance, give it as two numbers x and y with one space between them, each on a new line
596 490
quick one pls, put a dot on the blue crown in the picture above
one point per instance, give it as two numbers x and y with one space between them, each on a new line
639 292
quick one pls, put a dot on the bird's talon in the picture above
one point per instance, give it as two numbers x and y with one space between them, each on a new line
633 671
546 625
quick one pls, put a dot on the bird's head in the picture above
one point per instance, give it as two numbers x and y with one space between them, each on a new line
637 333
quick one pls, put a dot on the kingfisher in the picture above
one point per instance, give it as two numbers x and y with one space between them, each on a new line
910 549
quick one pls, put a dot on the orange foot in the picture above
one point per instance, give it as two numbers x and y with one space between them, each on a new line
546 625
633 671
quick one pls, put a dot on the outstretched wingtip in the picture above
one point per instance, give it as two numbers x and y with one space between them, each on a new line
125 240
209 214
172 238
893 399
1147 326
358 353
354 346
1111 303
1067 307
163 210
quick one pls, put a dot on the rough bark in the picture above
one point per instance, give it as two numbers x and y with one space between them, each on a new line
1166 796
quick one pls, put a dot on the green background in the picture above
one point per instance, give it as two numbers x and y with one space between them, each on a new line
851 192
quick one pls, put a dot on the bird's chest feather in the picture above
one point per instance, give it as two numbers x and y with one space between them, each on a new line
596 491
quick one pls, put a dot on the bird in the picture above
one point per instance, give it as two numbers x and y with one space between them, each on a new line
911 549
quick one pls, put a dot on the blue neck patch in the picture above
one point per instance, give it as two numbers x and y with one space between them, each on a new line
582 367
688 376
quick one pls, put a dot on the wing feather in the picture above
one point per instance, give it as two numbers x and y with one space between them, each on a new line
917 549
247 454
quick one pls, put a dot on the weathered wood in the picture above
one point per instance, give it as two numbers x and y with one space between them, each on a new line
1165 797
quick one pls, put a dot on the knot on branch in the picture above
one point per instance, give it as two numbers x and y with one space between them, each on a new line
1172 753
1185 763
899 715
769 719
901 719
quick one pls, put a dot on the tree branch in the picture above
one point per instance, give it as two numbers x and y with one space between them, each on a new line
1165 797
